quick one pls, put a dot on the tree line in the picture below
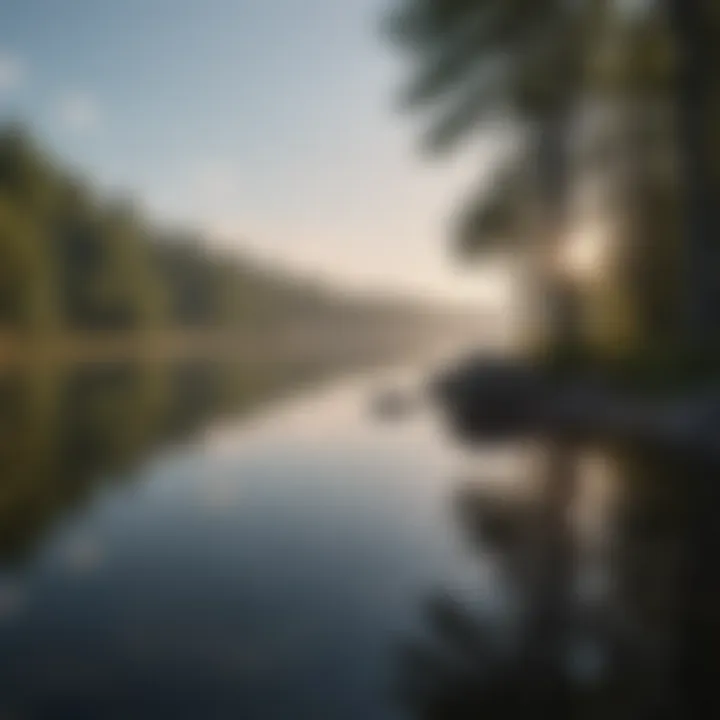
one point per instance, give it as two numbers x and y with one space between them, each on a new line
73 260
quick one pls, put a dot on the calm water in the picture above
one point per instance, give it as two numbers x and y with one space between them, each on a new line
199 542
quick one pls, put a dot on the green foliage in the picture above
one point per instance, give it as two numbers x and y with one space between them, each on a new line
26 277
475 57
492 220
540 65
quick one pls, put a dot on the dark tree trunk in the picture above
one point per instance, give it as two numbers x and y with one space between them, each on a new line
693 39
553 178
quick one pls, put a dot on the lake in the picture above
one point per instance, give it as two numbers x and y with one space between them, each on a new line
222 542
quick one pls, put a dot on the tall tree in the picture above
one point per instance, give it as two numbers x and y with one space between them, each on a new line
518 59
696 24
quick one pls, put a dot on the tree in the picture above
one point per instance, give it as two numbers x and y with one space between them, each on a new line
696 26
480 59
28 301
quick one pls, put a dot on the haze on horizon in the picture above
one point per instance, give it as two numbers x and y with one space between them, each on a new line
270 125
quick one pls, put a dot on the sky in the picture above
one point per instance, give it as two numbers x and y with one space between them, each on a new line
270 124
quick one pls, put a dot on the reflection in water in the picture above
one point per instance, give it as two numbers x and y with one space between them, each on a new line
610 563
64 430
269 573
259 573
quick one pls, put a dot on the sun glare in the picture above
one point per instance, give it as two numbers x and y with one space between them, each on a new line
584 254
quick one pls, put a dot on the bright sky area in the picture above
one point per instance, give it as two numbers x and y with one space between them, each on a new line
270 123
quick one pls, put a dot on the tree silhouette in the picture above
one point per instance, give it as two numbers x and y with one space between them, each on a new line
538 66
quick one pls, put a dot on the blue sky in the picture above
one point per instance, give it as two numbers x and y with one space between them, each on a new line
269 123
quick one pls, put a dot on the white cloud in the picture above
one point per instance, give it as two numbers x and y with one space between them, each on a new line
79 112
12 72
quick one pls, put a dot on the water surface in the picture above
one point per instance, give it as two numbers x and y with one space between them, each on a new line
177 542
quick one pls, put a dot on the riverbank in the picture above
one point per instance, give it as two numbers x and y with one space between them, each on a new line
492 398
295 342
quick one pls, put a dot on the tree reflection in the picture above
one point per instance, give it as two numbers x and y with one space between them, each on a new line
608 563
66 430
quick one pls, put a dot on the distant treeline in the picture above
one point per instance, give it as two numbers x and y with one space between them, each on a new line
73 260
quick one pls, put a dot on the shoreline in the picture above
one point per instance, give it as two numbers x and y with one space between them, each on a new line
294 344
493 400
